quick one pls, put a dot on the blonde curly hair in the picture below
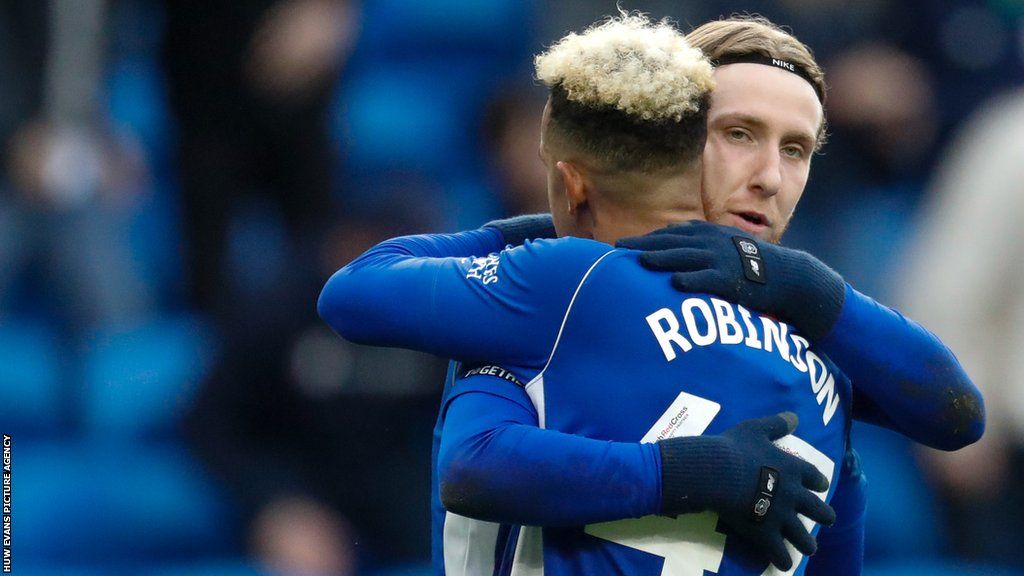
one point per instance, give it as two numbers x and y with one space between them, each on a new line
642 68
630 92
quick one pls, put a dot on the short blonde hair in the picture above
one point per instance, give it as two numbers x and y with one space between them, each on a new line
631 94
743 35
644 69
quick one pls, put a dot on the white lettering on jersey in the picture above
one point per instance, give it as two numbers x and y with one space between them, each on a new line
689 543
706 325
729 330
800 344
751 340
775 332
691 321
667 335
823 385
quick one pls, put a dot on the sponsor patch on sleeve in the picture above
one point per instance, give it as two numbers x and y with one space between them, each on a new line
493 370
484 269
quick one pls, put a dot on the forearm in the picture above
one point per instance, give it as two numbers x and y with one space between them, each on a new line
496 465
382 298
914 384
439 293
905 377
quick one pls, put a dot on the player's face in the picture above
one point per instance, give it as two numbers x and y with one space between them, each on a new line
762 127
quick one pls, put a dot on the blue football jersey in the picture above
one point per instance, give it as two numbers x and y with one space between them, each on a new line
610 351
636 360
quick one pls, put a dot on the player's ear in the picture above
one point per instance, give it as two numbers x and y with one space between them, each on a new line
575 185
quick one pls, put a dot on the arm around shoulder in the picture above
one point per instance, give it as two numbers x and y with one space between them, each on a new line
914 383
495 464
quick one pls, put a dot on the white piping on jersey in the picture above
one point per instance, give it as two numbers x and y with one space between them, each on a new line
539 378
529 556
535 390
468 545
568 309
528 559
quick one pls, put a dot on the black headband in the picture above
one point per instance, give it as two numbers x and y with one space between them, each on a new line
755 58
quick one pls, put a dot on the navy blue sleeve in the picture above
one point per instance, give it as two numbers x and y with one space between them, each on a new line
495 464
903 377
444 295
841 545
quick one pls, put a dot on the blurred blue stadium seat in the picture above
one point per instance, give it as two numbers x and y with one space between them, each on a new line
30 378
138 380
102 504
135 94
156 243
470 204
411 117
137 104
395 29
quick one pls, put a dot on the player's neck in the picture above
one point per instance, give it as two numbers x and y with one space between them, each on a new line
658 204
640 224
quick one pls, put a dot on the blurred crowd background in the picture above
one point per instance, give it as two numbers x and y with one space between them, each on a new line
178 178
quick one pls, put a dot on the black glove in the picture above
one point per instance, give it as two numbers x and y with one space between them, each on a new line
756 488
519 229
791 285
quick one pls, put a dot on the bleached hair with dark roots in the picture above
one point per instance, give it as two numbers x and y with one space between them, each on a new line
643 68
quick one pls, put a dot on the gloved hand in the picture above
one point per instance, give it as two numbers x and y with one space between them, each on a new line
791 285
519 229
756 488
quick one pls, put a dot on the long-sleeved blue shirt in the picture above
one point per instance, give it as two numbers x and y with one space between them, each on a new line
937 405
626 325
490 424
903 377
